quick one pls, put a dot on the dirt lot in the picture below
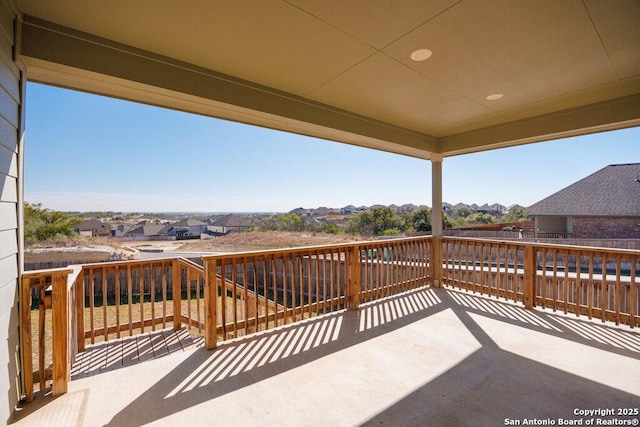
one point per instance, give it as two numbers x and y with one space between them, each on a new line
258 240
102 250
77 250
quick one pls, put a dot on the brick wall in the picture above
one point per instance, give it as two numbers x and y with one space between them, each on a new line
606 227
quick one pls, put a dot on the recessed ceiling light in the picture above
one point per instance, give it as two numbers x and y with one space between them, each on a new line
421 54
494 96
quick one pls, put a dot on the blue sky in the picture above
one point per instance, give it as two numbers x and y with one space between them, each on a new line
85 152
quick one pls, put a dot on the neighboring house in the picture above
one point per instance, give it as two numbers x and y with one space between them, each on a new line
119 230
324 211
495 209
301 211
230 223
93 227
604 205
347 210
185 229
145 230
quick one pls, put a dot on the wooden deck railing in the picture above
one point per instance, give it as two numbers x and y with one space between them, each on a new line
241 293
102 302
293 284
57 298
596 282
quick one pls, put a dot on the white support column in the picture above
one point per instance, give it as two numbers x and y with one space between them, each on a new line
436 217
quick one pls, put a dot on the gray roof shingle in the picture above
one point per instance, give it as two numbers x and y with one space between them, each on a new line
611 191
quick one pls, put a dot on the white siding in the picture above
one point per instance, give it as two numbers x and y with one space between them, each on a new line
10 129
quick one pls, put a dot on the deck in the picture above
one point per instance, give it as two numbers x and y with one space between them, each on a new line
424 357
115 354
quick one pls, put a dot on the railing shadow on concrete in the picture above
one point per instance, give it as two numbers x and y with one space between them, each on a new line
247 360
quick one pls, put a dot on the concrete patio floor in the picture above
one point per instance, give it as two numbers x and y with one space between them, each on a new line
429 357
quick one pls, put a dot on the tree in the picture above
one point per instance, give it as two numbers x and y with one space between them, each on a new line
421 219
42 224
330 228
516 213
376 222
480 218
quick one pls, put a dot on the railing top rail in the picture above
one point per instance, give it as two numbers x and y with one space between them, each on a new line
280 251
189 263
129 262
613 251
47 272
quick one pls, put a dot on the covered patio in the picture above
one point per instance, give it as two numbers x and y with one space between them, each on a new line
430 80
430 356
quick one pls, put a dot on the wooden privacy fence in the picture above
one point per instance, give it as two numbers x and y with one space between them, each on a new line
293 284
596 282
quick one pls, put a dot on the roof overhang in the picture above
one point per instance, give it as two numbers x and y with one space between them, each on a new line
359 87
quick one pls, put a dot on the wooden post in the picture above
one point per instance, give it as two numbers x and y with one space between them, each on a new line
435 262
60 324
176 293
27 351
530 275
210 305
353 285
79 285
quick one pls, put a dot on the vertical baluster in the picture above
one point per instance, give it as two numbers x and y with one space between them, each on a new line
555 280
324 281
334 284
152 289
604 289
578 293
130 298
141 275
633 296
254 264
223 293
234 295
117 296
590 288
339 287
103 279
544 284
164 273
617 296
187 272
42 310
199 284
265 281
274 279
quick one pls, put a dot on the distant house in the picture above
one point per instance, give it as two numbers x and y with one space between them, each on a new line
231 223
347 210
145 230
604 205
185 229
93 227
301 211
495 209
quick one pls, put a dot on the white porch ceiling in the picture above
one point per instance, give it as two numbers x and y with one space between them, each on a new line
341 70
